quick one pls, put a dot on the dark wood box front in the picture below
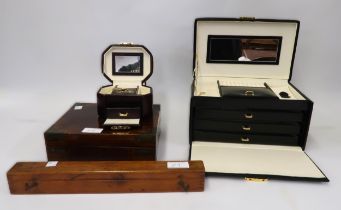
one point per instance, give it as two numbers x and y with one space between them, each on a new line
107 102
65 140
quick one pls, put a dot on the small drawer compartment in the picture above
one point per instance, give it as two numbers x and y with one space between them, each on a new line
245 127
245 138
123 113
248 115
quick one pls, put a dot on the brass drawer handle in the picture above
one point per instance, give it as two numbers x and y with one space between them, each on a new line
249 93
248 115
244 139
246 127
123 114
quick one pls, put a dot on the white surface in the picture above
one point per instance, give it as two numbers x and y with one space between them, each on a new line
78 108
59 44
254 159
92 130
51 164
177 165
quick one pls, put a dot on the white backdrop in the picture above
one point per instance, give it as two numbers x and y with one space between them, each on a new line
50 58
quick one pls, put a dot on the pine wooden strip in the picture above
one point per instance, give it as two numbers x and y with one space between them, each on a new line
104 177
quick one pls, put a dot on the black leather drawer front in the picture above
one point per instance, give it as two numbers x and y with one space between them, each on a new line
241 127
123 113
245 138
249 103
248 116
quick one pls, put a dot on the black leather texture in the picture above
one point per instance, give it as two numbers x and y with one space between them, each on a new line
243 91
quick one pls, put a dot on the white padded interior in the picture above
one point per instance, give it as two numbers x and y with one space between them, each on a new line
207 86
126 80
287 30
255 159
143 90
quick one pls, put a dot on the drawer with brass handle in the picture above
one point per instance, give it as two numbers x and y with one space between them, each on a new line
123 113
248 115
245 127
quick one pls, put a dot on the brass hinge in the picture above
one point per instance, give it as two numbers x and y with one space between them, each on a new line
247 18
255 179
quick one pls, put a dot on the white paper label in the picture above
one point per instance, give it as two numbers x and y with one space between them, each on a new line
92 130
51 164
78 107
122 122
177 165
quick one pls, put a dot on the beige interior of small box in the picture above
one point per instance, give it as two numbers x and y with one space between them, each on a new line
126 81
255 159
142 90
276 76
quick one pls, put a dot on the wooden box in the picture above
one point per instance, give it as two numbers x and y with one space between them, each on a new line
128 100
105 177
247 118
79 135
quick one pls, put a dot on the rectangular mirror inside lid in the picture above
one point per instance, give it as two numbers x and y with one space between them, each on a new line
243 49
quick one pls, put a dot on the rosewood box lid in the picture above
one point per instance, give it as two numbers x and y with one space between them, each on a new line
79 135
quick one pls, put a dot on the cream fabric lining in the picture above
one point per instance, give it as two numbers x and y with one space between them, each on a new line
143 90
287 30
124 80
207 86
255 159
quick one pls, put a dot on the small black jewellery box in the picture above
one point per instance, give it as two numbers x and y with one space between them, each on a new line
246 118
127 101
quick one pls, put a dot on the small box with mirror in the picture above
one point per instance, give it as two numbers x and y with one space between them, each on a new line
127 101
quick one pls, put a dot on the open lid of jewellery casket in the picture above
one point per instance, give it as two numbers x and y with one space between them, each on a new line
248 52
127 66
123 103
244 51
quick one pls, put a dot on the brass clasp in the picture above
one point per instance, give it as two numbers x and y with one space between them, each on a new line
256 179
247 18
249 93
127 43
123 114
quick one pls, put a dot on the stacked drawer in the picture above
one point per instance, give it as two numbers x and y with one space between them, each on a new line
255 126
